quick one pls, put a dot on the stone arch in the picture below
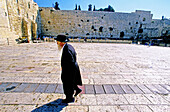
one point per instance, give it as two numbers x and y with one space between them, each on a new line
24 28
33 31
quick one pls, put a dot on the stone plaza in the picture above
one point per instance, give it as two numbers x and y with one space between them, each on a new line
116 78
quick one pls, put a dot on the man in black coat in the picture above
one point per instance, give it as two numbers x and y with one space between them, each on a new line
70 75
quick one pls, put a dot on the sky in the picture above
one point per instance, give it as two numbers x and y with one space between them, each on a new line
158 8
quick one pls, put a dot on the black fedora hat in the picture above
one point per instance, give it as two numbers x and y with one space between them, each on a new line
62 38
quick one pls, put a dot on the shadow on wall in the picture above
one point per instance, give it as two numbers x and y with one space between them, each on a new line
55 106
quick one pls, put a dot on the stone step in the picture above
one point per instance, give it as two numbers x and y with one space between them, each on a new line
88 89
7 37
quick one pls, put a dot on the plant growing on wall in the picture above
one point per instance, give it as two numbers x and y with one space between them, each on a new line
110 29
101 29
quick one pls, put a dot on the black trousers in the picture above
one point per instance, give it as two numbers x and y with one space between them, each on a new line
69 89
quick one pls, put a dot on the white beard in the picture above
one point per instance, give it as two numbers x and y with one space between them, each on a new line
59 50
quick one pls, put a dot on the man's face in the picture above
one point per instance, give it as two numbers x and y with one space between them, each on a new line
60 45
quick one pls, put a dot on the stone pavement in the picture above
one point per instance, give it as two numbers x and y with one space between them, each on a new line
116 78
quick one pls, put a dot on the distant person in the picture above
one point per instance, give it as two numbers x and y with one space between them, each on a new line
85 39
70 75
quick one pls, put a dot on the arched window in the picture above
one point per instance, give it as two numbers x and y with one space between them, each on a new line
29 5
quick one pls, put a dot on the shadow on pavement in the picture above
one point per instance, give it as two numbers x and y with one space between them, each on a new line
55 106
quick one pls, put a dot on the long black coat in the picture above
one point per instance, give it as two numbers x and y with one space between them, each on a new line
70 69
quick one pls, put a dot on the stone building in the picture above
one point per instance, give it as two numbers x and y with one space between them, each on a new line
18 20
76 23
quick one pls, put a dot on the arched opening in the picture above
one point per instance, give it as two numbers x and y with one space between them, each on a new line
24 29
122 34
33 31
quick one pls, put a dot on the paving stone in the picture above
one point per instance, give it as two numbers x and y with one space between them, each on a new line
51 88
136 89
152 88
144 89
111 99
45 98
24 108
156 99
21 87
143 108
11 87
51 107
77 109
99 89
19 98
166 97
41 88
118 89
102 109
136 99
59 89
89 89
31 88
161 89
7 108
127 89
167 87
88 99
125 108
108 89
4 85
160 108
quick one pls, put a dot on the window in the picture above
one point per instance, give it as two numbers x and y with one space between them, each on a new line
144 19
29 5
27 16
17 1
5 14
129 23
18 11
33 17
136 22
49 22
46 29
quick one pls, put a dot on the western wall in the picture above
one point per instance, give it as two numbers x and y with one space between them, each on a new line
76 23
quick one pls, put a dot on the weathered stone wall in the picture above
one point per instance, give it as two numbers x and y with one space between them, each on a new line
19 18
22 17
87 23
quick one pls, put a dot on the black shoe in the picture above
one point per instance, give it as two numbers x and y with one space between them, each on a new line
68 100
77 92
